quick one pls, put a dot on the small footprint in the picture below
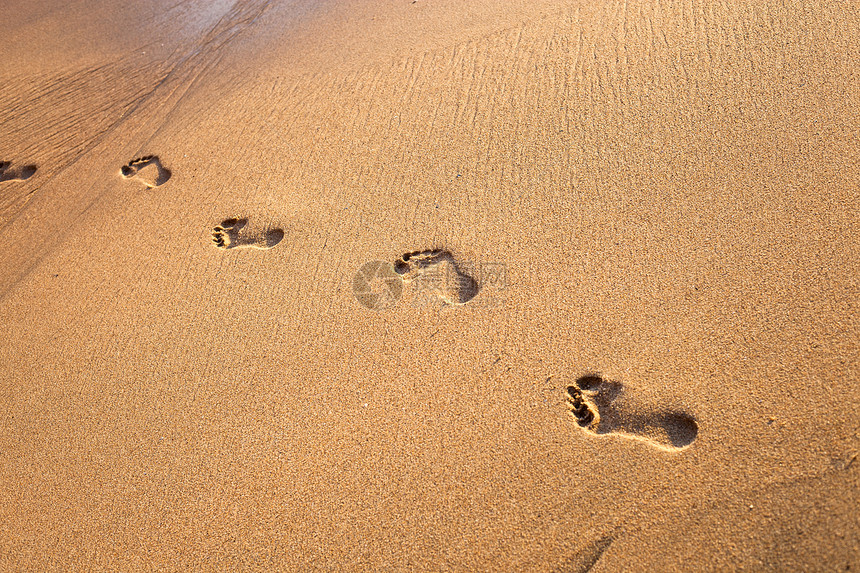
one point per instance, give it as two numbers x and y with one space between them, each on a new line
8 173
148 170
598 406
436 271
230 234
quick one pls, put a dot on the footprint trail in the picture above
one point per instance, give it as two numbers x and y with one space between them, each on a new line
9 173
435 271
148 170
599 407
232 234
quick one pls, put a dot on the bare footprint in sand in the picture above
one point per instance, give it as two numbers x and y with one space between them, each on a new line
148 170
9 173
231 234
599 407
435 271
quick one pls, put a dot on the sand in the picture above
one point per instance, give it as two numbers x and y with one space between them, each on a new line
429 286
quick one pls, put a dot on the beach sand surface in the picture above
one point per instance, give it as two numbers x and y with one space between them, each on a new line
643 213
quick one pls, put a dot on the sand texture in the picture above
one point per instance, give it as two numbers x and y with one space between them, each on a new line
429 285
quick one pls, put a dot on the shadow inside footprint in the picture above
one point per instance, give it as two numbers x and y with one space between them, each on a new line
587 557
9 173
595 404
435 271
148 170
231 234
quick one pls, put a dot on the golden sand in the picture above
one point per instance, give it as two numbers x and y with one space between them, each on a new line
429 285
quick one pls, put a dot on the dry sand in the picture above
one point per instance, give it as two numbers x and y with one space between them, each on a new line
641 211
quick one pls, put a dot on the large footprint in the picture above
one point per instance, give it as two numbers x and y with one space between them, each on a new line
435 271
231 234
148 170
8 173
598 407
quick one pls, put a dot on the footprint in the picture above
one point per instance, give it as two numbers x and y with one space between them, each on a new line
435 271
148 170
588 556
7 173
598 406
229 234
